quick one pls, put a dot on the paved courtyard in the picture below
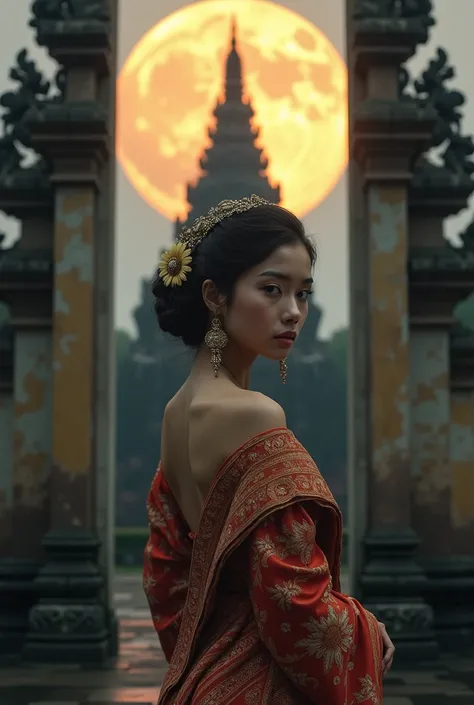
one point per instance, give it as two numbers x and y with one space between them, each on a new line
136 677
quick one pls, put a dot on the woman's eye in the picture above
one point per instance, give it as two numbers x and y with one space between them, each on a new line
271 289
304 295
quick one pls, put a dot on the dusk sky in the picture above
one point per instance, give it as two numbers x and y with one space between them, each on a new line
141 231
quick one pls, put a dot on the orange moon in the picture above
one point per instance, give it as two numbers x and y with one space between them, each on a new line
169 85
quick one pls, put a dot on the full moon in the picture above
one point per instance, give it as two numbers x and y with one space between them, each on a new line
169 85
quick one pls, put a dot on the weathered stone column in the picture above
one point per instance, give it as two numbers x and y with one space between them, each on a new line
6 430
25 285
387 136
456 621
359 338
74 620
440 277
452 579
105 327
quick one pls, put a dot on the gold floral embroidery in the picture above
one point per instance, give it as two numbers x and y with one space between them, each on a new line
301 679
329 637
308 573
327 597
264 549
253 697
283 593
375 639
282 660
148 583
354 605
298 540
169 508
368 691
179 584
155 517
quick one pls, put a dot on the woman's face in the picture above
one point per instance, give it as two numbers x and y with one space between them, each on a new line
270 303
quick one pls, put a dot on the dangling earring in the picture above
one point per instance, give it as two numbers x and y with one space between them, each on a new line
216 340
283 370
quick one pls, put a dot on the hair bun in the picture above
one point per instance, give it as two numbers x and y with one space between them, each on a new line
180 311
166 316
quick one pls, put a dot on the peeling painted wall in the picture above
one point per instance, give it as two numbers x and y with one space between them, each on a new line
31 440
430 427
390 495
462 470
6 468
73 359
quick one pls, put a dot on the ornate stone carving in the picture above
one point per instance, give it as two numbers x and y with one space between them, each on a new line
34 263
467 238
402 618
392 583
456 149
71 623
447 258
10 158
32 91
395 9
68 619
57 10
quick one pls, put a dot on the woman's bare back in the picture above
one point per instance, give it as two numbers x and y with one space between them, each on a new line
204 423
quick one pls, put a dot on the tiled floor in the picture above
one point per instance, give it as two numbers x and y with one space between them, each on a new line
137 675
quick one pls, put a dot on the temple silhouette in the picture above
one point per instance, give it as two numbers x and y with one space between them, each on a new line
233 166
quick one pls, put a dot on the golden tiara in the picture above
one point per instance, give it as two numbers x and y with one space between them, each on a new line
175 262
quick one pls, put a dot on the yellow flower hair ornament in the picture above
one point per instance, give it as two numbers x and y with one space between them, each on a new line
174 264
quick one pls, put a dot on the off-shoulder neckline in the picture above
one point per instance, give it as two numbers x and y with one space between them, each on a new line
283 430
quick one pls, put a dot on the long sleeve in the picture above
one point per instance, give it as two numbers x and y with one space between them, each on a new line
166 564
325 642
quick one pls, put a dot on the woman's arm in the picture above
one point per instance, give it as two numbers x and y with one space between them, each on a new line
166 564
324 641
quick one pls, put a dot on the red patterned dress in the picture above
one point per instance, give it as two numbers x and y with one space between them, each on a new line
249 611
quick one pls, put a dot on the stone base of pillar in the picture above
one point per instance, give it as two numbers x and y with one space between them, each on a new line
450 593
71 622
17 596
393 583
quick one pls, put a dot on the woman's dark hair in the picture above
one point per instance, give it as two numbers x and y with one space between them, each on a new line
234 246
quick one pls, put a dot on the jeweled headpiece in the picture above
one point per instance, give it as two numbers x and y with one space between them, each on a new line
175 262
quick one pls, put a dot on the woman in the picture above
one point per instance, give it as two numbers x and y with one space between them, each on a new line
242 564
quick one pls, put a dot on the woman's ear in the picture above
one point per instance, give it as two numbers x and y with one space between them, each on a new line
213 300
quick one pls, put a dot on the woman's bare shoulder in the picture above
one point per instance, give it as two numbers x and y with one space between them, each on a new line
228 423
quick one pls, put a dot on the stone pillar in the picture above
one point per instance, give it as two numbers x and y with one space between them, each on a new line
105 327
454 606
6 431
387 136
74 621
359 340
25 272
440 277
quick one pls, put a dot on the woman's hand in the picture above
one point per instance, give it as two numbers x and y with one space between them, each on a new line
388 649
